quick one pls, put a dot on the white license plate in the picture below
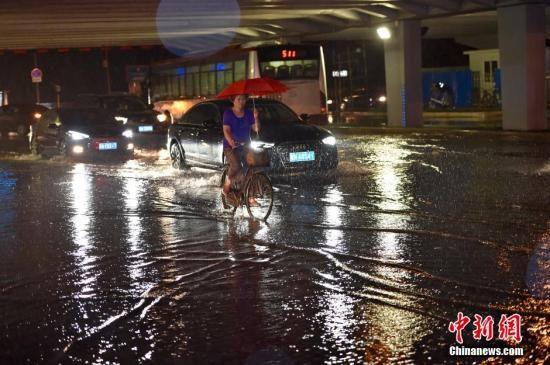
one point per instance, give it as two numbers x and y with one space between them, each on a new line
108 146
145 128
302 156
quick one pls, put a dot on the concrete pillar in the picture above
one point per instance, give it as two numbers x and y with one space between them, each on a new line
521 38
403 59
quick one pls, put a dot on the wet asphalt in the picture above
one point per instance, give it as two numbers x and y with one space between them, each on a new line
134 262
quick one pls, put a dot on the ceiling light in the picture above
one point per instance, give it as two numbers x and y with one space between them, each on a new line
383 32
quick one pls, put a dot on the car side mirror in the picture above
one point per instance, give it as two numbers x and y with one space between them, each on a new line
304 117
210 123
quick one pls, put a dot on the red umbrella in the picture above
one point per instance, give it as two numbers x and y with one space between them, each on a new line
259 86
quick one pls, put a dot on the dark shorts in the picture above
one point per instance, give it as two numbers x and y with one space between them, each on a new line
236 158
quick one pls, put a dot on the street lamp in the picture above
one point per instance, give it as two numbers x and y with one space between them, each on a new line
383 32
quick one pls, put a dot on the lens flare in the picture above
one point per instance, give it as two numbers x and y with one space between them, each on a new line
186 27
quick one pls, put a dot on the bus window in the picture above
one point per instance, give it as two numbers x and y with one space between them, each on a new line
220 81
283 72
310 70
204 83
189 85
181 85
212 83
196 86
269 71
224 78
297 71
240 70
174 86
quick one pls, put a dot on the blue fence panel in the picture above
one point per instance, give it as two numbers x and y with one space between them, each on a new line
459 81
497 80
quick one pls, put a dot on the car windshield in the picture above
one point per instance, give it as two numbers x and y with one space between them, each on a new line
118 104
83 117
275 113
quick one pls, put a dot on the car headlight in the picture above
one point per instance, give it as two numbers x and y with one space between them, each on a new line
382 99
124 120
77 136
260 144
330 140
37 115
128 133
161 117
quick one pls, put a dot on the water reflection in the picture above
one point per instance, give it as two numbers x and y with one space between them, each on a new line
538 270
81 223
244 285
338 316
392 325
333 216
392 333
133 191
167 224
389 180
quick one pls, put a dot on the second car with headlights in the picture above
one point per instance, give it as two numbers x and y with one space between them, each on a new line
130 111
81 131
292 146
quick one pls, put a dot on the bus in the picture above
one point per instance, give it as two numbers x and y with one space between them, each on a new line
177 84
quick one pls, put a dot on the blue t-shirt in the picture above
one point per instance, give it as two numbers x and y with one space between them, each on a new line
240 127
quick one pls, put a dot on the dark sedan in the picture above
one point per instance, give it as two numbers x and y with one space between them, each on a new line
292 145
129 111
18 118
81 131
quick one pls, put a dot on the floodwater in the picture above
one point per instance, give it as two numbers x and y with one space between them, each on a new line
134 262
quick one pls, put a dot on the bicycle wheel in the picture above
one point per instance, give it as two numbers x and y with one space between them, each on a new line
259 188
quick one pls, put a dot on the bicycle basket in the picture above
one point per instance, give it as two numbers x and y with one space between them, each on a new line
257 158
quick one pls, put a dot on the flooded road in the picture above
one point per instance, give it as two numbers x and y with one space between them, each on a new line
133 261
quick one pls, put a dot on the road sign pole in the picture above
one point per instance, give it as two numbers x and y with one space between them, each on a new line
36 84
58 96
107 70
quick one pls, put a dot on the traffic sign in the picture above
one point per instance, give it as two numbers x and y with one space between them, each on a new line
36 75
138 73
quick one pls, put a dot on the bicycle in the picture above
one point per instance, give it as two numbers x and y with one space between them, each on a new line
490 99
255 187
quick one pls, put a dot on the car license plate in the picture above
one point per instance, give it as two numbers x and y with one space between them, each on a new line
302 156
108 146
145 128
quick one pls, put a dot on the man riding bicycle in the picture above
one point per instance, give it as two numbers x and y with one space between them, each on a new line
237 123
